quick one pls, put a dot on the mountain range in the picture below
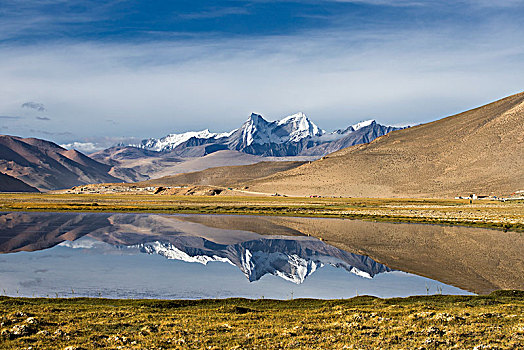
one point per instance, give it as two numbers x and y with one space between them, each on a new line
35 164
224 176
11 184
294 135
293 259
478 151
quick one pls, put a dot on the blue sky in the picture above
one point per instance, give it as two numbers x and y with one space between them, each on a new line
104 71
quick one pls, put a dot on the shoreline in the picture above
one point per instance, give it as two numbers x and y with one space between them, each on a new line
516 228
491 215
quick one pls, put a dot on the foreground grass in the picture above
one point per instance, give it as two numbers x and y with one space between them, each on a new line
490 214
429 322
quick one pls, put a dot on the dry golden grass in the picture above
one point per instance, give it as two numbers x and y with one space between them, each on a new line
492 214
489 322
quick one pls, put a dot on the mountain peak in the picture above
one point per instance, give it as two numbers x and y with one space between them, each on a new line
297 116
363 124
254 117
299 127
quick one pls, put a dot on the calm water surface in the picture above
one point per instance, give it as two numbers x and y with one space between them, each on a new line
185 256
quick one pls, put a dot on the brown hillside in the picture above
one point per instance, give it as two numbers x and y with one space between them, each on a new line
225 175
10 184
479 151
47 166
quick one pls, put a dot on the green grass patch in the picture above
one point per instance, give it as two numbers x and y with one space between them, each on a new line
488 214
429 322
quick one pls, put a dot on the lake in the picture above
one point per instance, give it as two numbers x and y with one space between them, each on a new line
197 256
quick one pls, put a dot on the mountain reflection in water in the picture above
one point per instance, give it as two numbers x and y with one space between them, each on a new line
292 258
102 251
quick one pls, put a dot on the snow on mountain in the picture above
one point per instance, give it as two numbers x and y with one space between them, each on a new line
363 124
255 129
290 129
290 267
170 251
337 134
356 134
291 136
170 141
288 258
299 127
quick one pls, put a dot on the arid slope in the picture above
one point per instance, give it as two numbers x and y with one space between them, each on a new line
479 151
47 166
224 176
10 184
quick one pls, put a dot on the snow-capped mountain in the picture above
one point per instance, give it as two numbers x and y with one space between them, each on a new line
298 127
289 258
279 138
291 136
170 141
290 129
359 133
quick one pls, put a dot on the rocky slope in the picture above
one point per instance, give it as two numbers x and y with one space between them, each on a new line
154 164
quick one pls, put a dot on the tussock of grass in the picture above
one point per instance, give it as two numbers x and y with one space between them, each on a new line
430 322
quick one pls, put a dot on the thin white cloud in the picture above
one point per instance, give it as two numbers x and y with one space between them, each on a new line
84 147
215 13
27 17
496 3
94 144
152 89
394 3
50 133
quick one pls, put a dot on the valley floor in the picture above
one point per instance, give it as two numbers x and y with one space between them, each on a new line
495 321
508 216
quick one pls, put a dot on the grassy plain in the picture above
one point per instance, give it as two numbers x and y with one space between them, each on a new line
493 214
426 322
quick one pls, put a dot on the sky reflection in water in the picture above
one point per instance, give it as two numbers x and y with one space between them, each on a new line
161 256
